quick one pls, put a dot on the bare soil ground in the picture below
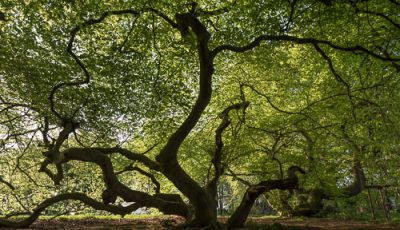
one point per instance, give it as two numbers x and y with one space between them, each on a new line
325 224
171 223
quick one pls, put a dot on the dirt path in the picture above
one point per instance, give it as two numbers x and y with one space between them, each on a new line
326 224
160 223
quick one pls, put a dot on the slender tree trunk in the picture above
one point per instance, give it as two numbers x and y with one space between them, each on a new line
383 200
240 215
371 205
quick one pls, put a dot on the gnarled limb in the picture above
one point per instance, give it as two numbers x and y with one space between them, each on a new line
63 197
313 203
87 76
115 188
53 155
137 157
311 41
167 159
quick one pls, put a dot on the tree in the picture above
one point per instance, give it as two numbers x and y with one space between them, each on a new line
94 78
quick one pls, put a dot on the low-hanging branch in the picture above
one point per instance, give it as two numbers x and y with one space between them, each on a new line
314 203
63 197
115 188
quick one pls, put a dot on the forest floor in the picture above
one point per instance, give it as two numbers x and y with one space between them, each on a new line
169 222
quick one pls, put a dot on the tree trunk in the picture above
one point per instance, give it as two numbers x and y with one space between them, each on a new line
205 206
371 205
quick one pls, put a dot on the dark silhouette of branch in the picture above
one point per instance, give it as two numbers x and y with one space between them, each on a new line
136 157
217 157
74 32
115 188
312 41
8 184
2 16
395 2
63 197
236 177
8 216
378 14
337 76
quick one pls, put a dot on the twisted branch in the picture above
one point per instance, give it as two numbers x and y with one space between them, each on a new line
312 41
63 197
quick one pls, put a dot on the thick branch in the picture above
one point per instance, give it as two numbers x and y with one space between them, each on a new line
186 21
128 154
53 155
45 132
359 177
63 197
164 16
116 188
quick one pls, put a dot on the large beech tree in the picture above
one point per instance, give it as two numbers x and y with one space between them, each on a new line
83 80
